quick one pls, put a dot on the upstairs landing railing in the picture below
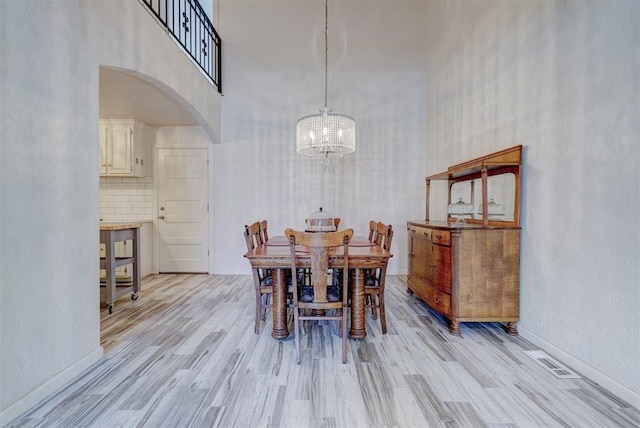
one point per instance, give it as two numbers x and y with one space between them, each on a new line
189 25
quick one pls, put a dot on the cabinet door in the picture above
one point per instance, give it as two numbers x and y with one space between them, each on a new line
421 257
416 281
139 147
104 138
441 261
119 154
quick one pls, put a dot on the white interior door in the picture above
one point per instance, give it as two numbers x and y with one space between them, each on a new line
183 210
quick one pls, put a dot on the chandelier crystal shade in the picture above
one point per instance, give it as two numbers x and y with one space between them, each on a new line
326 134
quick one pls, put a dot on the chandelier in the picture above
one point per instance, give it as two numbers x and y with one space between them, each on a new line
326 134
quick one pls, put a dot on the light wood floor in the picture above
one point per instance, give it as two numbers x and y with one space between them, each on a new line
185 354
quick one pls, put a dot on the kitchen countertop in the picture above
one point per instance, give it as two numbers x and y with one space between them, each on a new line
120 226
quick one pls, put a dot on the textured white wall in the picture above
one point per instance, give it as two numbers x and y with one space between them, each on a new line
560 78
563 79
258 175
49 193
49 185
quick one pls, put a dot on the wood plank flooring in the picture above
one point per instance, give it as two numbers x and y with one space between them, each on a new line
185 355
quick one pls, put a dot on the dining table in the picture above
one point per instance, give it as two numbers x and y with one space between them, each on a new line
275 255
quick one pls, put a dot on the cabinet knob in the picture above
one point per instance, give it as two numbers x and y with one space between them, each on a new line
161 217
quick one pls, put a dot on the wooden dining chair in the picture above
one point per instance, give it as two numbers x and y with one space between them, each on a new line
306 271
323 305
375 278
264 234
336 222
262 280
373 227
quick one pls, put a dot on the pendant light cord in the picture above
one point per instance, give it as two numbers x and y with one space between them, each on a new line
326 49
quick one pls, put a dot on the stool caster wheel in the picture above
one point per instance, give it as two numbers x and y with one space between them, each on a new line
134 296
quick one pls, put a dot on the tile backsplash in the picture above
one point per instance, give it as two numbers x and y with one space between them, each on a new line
126 198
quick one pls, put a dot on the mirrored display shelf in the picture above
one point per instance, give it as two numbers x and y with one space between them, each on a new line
484 183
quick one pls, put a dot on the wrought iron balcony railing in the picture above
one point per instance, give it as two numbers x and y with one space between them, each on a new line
189 25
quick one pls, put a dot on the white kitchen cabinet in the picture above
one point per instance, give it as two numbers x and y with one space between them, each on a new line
122 148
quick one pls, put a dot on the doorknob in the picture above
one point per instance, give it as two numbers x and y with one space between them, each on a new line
161 217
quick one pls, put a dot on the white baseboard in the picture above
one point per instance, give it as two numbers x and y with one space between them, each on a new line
613 386
50 387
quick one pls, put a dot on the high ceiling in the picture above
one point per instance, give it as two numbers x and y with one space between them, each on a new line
287 34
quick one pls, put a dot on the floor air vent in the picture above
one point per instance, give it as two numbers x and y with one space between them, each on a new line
551 365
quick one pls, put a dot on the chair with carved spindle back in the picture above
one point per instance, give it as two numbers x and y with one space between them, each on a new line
375 279
263 282
336 272
373 227
322 302
264 234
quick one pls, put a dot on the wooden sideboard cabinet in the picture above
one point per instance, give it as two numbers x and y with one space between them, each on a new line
471 272
466 274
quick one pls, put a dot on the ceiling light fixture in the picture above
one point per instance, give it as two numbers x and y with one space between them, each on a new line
326 134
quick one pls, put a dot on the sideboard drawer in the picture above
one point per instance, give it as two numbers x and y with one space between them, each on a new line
441 237
421 232
441 302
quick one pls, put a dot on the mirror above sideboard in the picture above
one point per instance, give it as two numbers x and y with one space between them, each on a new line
500 193
491 184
